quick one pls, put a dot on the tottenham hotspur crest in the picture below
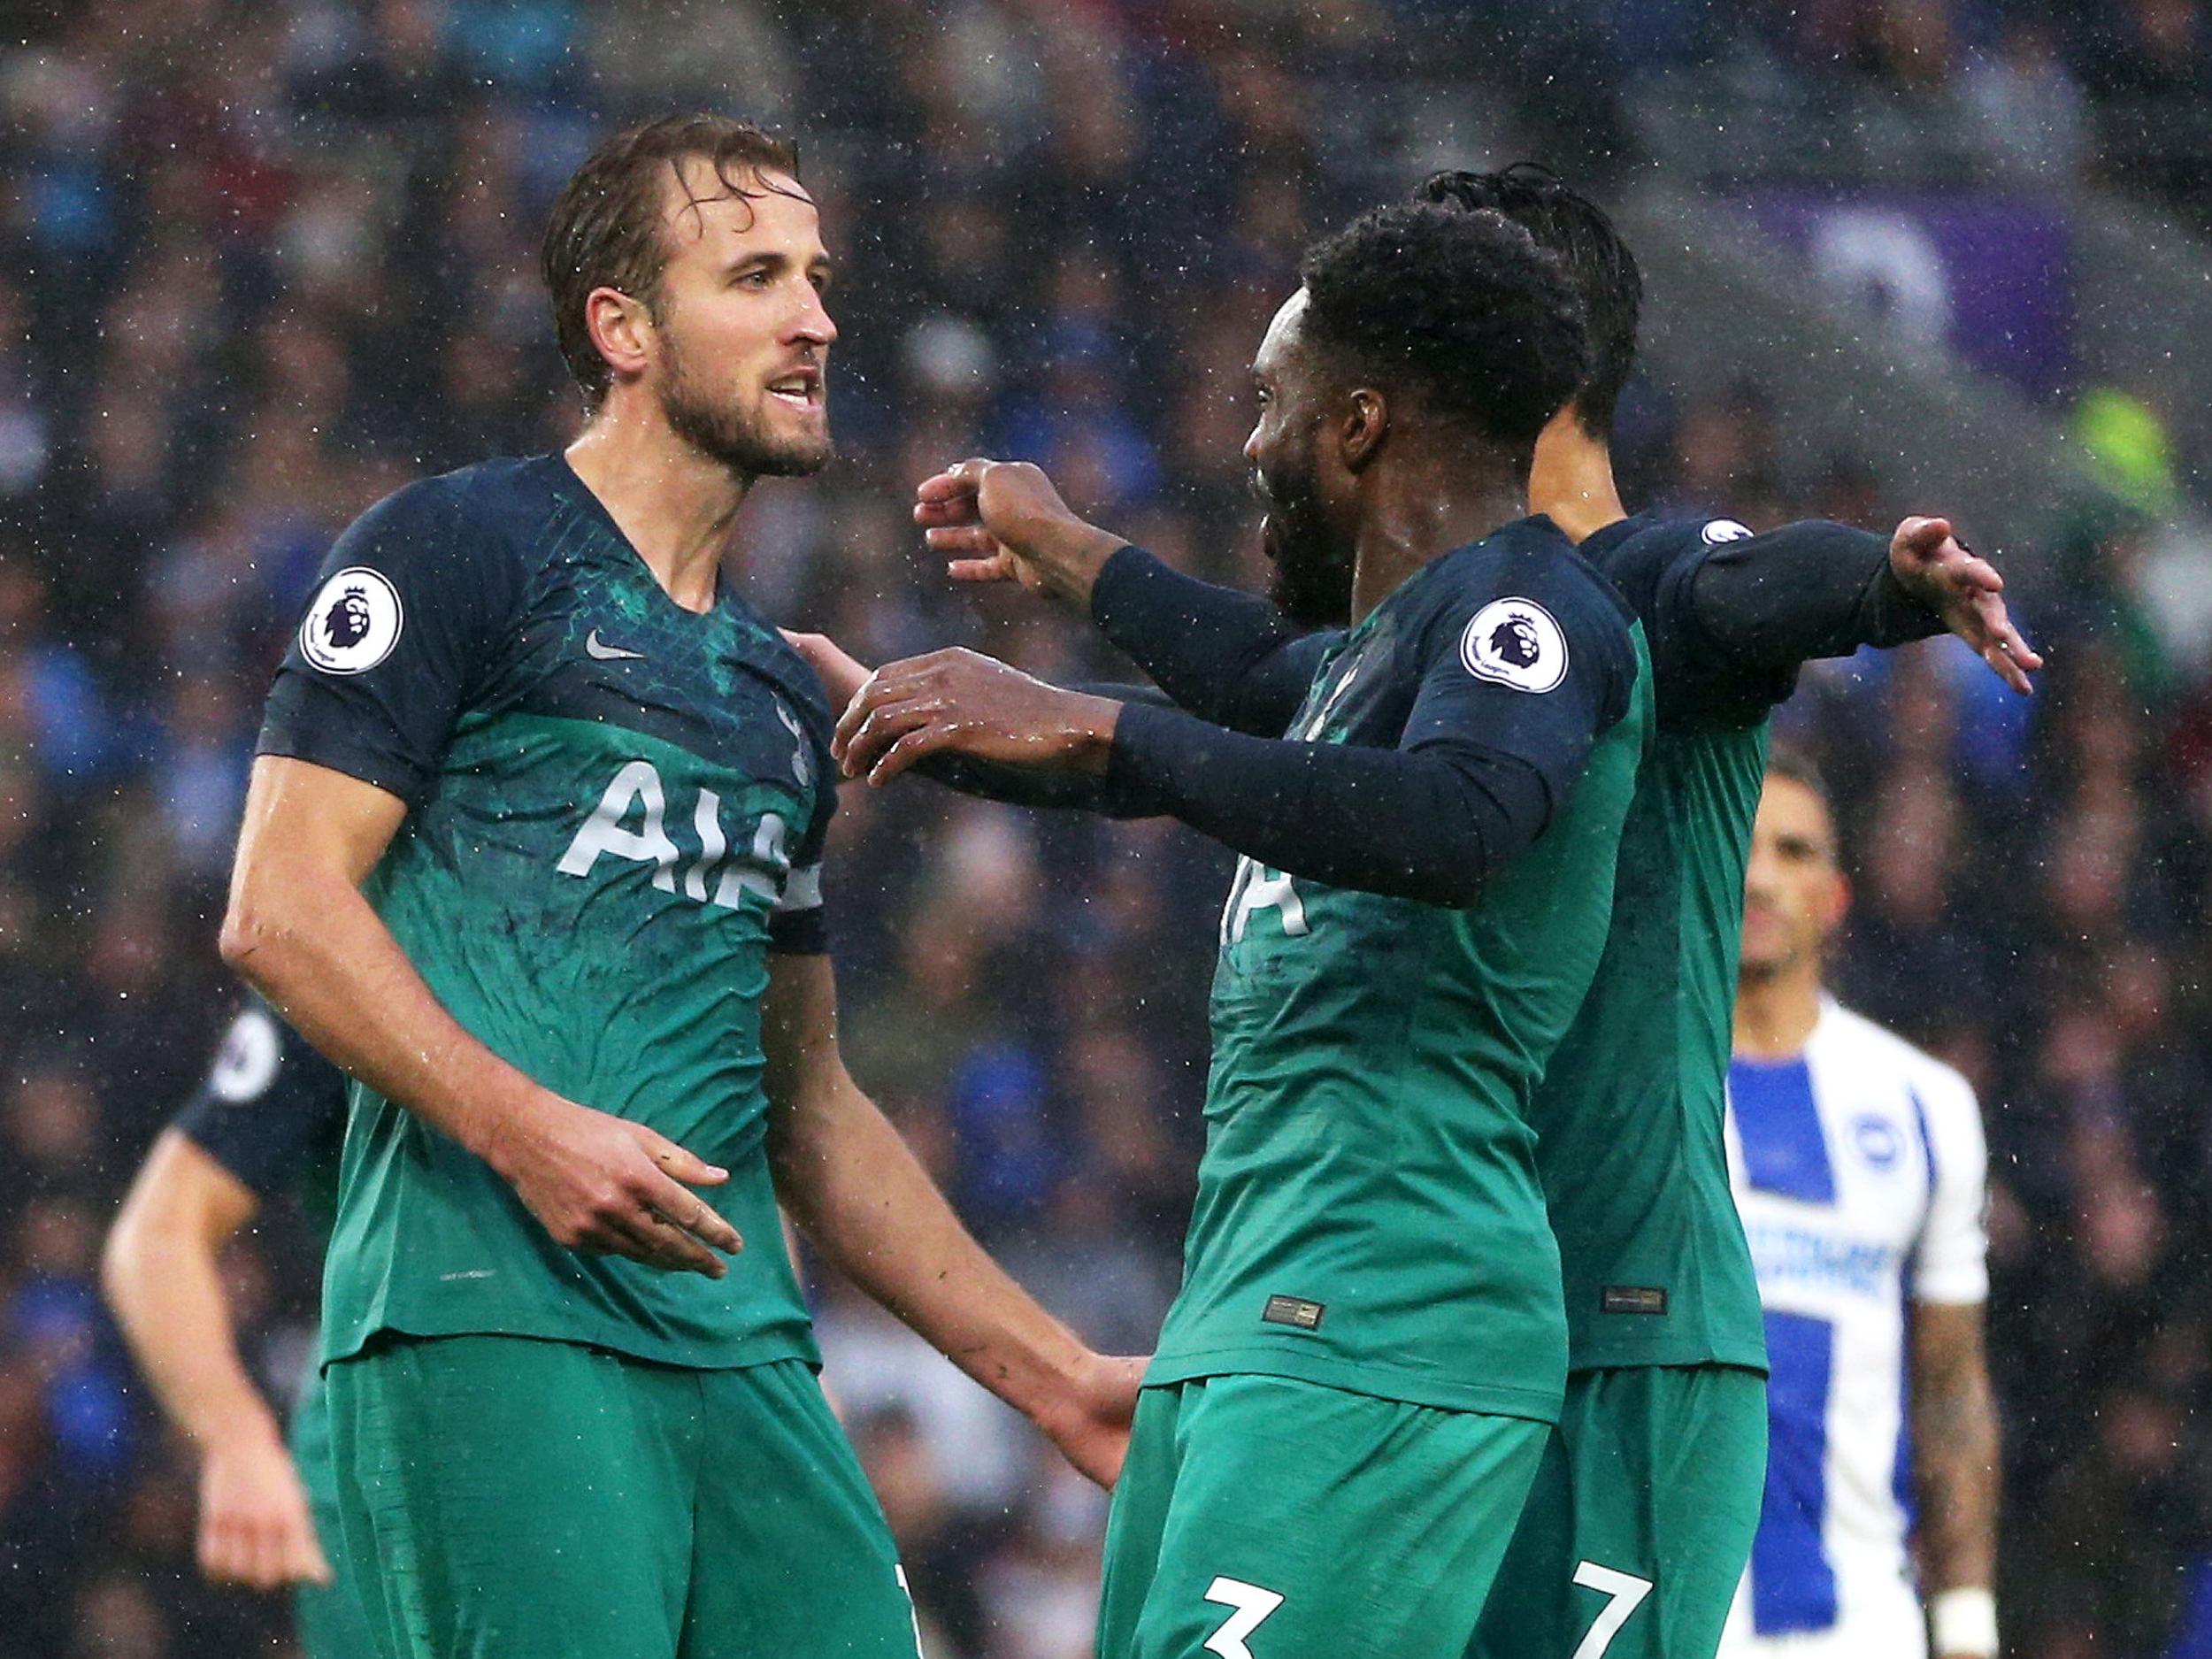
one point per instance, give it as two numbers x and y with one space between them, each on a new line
802 761
353 623
1515 642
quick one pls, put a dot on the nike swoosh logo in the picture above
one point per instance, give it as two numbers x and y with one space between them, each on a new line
598 651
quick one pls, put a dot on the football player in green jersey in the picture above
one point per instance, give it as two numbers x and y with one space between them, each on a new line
532 850
1644 1508
1359 1372
1636 1534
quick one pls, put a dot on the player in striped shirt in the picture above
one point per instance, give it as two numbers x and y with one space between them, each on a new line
1860 1170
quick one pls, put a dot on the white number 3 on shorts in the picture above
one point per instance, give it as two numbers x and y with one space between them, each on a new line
1626 1591
1252 1605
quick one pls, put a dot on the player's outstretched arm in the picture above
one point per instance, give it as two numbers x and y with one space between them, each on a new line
847 1177
1763 606
162 1279
1428 821
299 929
1227 657
1954 1443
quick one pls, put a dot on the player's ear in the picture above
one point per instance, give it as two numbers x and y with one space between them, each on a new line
1360 428
620 329
1839 903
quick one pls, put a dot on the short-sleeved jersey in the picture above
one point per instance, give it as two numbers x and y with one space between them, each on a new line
271 1112
1369 1215
1629 1115
617 809
1862 1174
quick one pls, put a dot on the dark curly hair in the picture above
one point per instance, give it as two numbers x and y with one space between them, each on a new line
1573 229
1463 309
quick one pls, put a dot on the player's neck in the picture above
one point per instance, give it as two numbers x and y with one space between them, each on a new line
1571 483
1776 1012
673 504
1418 516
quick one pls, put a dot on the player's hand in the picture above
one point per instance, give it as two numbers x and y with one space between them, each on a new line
842 675
1090 1422
604 1184
1949 578
956 702
256 1527
1003 521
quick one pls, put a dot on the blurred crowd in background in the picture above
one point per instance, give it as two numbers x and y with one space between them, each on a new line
266 263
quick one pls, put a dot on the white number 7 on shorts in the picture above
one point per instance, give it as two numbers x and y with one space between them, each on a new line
1252 1605
1627 1592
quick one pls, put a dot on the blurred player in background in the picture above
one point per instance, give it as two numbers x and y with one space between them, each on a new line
1635 1537
1860 1167
537 821
268 1122
1357 1379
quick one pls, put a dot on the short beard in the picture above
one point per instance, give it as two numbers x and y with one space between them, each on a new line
1313 596
1311 579
724 433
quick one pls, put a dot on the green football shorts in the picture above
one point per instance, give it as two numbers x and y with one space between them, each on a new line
508 1498
1637 1532
329 1617
1260 1517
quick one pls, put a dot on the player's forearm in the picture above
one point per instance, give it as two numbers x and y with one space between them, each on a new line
311 943
1035 786
1804 592
850 1181
1219 653
163 1285
1955 1454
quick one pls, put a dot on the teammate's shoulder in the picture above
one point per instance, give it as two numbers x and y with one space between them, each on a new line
1534 558
1859 1042
1653 542
1524 610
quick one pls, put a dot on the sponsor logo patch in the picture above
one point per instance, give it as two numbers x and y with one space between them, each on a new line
1722 530
353 624
1293 1310
1632 1299
1515 642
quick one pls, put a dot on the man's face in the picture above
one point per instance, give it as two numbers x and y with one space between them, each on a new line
1313 557
743 333
1793 894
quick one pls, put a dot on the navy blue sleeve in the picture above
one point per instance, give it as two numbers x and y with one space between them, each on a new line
1521 668
1227 657
404 622
1730 616
270 1104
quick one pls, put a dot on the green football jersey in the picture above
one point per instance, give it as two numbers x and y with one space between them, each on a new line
616 810
1630 1115
1369 1215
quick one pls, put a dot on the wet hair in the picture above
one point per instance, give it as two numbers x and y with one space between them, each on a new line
1795 761
605 228
1574 231
1461 310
